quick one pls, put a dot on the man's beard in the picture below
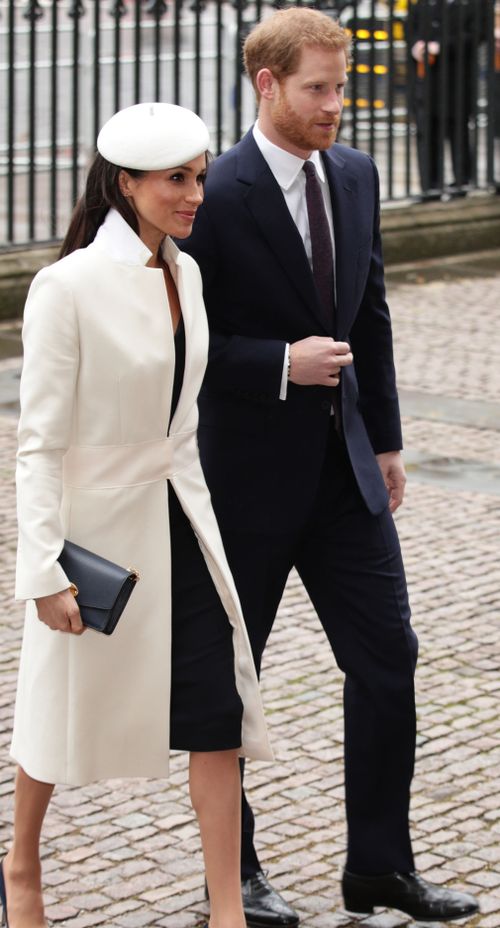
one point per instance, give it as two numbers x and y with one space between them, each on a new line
303 135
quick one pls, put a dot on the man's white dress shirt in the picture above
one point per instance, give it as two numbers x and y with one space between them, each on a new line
287 171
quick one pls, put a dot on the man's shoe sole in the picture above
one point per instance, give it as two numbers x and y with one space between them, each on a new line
362 909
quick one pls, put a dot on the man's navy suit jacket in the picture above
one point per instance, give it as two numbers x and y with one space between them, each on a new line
263 456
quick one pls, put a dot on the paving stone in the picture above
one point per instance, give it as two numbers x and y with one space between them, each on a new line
89 920
134 920
60 912
488 903
386 920
490 921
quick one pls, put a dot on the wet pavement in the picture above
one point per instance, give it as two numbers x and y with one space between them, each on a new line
126 853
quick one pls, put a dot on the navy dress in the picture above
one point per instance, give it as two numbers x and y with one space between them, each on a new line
206 709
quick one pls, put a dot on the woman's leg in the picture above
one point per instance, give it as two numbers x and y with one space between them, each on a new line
21 866
215 787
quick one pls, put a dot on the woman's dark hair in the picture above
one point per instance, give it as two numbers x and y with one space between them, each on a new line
102 191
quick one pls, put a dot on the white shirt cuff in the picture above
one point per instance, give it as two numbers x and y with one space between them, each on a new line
284 376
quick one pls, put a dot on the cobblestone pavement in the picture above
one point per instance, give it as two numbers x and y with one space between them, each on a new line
126 853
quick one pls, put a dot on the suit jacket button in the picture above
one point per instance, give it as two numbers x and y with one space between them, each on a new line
325 404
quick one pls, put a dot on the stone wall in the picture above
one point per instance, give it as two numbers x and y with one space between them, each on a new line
410 233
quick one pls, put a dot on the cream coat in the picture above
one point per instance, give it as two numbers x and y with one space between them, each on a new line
93 460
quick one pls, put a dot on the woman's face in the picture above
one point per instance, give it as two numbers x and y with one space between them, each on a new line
165 202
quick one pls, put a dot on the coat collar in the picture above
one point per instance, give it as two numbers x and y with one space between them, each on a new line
251 163
120 243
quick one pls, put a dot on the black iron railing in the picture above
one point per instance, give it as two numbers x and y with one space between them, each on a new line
67 65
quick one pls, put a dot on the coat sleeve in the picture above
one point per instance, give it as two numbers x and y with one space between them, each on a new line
48 384
372 346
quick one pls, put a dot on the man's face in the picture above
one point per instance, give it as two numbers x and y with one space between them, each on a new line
307 105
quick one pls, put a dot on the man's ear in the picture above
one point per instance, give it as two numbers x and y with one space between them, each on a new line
265 82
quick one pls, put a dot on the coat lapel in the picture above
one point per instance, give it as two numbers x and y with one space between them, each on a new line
189 288
267 205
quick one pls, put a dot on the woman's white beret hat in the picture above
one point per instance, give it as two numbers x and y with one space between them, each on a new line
153 137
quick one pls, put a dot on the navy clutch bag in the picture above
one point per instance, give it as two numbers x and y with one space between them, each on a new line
103 588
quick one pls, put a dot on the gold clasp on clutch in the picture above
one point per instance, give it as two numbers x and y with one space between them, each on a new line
136 575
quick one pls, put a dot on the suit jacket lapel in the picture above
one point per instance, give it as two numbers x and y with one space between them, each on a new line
267 205
343 190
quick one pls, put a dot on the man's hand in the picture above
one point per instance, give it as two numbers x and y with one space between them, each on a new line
317 360
60 612
393 472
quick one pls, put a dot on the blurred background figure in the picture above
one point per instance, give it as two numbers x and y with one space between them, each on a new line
155 7
444 36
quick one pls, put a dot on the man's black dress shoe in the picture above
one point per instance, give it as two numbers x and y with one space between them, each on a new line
3 898
264 907
408 893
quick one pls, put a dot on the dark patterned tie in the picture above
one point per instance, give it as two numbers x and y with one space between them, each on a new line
321 246
322 261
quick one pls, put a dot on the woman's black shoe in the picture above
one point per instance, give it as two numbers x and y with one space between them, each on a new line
263 906
3 898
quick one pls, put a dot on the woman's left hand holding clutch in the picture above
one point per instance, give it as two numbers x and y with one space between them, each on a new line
60 612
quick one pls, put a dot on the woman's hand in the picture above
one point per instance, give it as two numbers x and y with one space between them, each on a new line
60 612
